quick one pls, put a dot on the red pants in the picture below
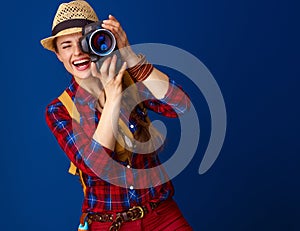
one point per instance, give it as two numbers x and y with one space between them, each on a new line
166 217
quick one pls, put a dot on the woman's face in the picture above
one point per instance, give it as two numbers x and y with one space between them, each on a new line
69 53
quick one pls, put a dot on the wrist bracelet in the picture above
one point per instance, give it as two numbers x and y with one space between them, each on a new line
141 70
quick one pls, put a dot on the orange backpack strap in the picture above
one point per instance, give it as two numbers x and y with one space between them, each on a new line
73 112
70 106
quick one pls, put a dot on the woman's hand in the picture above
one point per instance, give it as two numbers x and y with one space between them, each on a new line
126 52
111 81
157 82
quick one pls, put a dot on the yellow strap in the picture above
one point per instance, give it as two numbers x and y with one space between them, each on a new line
70 106
81 180
72 169
72 110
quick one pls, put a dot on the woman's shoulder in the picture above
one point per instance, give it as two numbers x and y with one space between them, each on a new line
56 106
56 103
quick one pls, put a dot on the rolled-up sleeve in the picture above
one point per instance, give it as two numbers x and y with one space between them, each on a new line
86 154
175 103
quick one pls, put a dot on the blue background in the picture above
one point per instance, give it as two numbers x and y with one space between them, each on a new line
252 50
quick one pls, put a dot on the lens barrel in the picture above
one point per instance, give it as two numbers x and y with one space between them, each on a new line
102 42
97 41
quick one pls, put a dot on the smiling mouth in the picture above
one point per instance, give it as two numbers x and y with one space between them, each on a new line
81 64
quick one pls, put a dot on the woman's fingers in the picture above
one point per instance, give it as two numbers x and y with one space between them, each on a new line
105 65
121 73
94 70
112 67
112 22
111 17
107 71
115 27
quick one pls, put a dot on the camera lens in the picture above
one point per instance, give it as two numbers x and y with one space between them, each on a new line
102 42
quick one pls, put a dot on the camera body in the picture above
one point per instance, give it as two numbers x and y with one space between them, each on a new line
97 41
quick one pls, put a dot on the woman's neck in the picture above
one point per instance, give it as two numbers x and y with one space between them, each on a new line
92 85
95 88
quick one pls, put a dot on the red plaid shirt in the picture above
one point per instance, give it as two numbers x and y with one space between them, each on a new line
94 160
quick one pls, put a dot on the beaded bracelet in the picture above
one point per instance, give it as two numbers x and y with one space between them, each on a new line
141 70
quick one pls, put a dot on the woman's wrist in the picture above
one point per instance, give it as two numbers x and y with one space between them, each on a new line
129 56
132 60
141 70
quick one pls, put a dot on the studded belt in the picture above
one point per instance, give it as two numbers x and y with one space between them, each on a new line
132 214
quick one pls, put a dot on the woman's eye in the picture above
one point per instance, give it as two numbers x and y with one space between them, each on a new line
65 47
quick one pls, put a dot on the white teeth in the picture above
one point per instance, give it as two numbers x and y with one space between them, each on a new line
81 61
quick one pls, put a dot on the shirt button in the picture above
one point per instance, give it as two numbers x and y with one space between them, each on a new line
131 187
128 166
131 126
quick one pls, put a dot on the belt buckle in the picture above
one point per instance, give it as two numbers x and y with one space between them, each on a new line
141 212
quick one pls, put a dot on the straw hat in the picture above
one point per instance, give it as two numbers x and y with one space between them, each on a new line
69 19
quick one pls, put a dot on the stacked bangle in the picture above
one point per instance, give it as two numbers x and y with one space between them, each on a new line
141 70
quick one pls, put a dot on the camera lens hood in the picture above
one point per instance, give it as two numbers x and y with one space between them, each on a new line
102 42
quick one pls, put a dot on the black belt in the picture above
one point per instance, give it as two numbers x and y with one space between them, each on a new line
132 214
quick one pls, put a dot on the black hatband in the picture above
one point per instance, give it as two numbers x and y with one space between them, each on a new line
70 24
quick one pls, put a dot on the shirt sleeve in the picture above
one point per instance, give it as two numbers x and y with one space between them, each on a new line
86 154
175 103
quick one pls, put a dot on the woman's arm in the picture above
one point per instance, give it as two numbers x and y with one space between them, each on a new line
157 82
91 154
108 125
71 137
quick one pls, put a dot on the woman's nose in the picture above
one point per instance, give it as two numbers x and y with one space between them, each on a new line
77 50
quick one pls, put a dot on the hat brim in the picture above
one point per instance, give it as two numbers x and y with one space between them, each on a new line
48 44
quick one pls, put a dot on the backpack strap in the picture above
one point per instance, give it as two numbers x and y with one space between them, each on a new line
70 106
73 112
122 152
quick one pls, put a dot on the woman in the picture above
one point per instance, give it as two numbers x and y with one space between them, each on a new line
99 132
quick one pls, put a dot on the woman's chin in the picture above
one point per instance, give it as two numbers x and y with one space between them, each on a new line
83 74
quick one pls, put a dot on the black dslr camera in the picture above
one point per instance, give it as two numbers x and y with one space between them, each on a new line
97 41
